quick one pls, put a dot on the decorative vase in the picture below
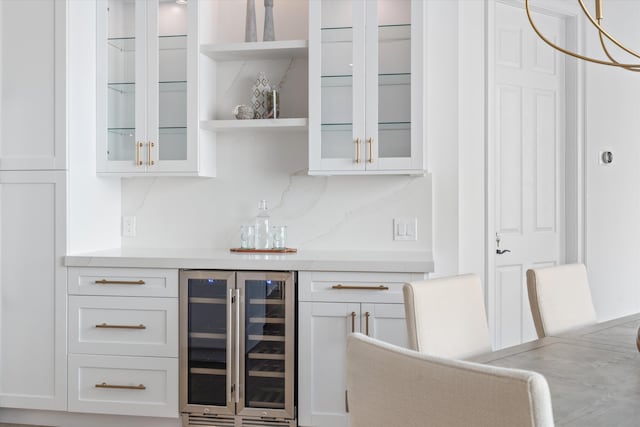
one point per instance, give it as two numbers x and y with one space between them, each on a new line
250 34
269 32
261 90
244 112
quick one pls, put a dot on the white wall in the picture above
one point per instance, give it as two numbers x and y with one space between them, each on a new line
333 213
612 192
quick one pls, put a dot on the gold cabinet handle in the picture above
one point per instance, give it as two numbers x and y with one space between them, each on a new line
353 321
119 282
358 150
370 140
366 318
361 288
138 148
150 161
126 387
107 326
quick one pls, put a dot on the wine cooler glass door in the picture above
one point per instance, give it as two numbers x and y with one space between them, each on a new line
266 344
207 341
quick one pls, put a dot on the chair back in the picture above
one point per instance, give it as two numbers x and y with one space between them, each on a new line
389 385
560 298
446 317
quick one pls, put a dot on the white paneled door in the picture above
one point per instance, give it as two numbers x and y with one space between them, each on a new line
526 166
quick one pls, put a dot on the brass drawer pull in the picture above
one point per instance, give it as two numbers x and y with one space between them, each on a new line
119 282
150 161
361 288
138 147
107 326
370 150
353 321
357 150
125 387
366 316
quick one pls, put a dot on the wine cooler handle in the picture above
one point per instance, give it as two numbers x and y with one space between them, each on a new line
229 345
237 335
353 321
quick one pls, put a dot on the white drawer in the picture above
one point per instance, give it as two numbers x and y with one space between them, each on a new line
123 326
353 287
122 385
148 282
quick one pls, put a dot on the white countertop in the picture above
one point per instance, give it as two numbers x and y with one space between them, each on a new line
220 259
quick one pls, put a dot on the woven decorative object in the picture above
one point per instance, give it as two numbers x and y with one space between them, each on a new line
261 89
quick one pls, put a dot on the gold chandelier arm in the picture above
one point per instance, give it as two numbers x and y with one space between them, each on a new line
568 52
603 31
606 52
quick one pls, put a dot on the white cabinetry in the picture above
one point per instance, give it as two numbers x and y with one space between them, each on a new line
147 113
32 55
332 305
33 362
46 94
366 87
123 341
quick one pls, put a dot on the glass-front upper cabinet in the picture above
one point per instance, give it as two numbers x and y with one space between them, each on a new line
147 95
366 86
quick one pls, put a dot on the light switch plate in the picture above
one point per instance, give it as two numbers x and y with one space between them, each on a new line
405 228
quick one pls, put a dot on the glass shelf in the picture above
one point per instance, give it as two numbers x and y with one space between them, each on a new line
130 87
172 129
162 129
382 126
340 127
122 131
175 42
123 44
386 79
128 44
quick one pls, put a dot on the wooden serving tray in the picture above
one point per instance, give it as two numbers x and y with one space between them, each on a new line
265 251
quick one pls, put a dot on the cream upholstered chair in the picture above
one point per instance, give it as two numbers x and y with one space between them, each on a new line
446 316
389 385
560 298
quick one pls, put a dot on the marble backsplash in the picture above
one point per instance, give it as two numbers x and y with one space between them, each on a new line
327 213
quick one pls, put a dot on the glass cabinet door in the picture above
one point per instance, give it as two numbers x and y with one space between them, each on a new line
207 334
267 345
342 85
167 101
366 74
146 51
121 39
389 91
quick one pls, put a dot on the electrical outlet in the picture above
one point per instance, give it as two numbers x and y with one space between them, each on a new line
405 228
129 226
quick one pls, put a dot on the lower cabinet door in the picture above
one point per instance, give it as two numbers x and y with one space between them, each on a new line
33 300
322 386
386 322
146 386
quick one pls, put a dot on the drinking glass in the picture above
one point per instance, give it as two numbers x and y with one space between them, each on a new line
247 237
279 236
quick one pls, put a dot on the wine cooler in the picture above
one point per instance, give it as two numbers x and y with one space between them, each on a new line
237 348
